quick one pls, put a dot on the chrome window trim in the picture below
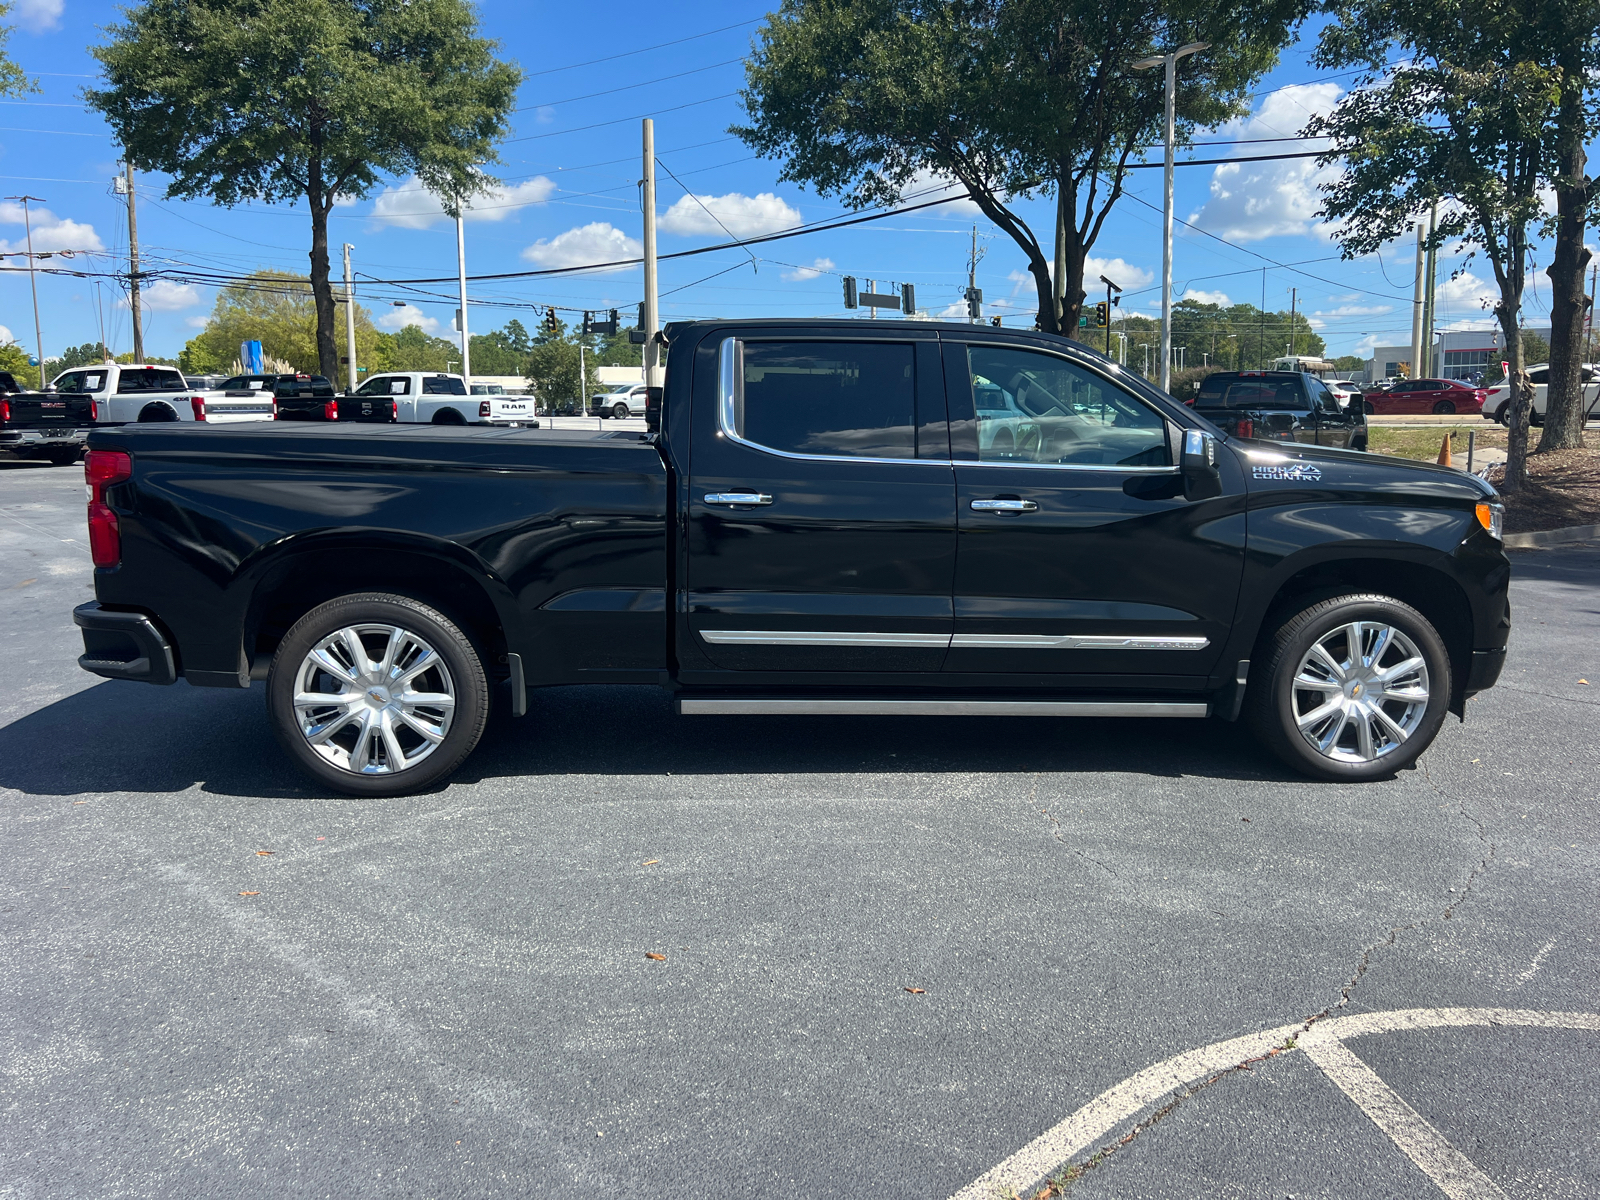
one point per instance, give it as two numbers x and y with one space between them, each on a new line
730 360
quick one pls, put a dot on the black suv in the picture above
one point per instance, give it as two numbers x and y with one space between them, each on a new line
1281 406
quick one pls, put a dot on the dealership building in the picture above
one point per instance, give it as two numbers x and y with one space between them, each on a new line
1458 354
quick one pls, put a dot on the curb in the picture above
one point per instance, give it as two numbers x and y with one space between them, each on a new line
1551 537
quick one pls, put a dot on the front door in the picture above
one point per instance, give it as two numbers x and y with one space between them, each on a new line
821 508
1079 560
1336 424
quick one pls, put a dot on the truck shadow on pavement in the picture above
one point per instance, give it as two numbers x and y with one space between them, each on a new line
126 737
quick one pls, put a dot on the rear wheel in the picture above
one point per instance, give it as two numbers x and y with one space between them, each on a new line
1352 688
1366 406
1443 407
448 416
65 458
377 695
1502 415
620 411
158 412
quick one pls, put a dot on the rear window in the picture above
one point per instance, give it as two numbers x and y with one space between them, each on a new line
1246 392
317 386
839 399
442 385
149 379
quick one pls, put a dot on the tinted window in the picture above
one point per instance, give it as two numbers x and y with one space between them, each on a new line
1037 408
149 379
1265 391
1324 397
833 398
82 382
1542 375
443 385
8 382
316 385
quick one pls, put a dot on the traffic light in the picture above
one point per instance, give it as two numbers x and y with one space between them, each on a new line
552 323
1102 315
908 299
850 292
974 302
995 321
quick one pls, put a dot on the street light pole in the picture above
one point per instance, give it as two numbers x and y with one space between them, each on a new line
1170 62
349 319
33 281
461 273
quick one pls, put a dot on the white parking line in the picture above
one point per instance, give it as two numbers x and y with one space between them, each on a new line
1056 1147
1419 1141
1538 961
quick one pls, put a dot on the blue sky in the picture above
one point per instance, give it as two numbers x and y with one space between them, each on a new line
569 196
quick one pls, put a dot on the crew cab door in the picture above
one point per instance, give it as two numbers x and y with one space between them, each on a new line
821 507
396 388
1078 556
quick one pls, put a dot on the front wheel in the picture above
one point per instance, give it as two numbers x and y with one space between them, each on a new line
620 411
1443 407
1367 407
1352 688
377 694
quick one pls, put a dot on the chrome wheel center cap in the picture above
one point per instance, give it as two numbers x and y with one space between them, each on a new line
378 696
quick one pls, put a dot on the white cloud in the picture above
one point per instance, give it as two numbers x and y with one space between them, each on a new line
166 296
801 274
414 207
544 114
50 232
1466 302
952 312
199 322
1251 201
927 185
1220 299
6 337
1121 272
39 16
408 314
1355 310
594 243
741 215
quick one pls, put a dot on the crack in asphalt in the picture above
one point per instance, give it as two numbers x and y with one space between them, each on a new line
1548 695
1064 1177
1055 830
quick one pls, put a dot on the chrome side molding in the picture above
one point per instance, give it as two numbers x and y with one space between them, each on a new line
1075 641
784 637
943 708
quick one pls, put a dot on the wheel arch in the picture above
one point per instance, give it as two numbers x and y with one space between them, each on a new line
285 585
1430 590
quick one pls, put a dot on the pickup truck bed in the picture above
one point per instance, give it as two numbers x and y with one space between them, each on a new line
827 517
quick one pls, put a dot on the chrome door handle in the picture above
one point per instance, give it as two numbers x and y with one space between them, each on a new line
738 498
1005 506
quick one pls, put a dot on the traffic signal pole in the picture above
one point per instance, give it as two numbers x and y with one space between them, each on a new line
461 270
349 320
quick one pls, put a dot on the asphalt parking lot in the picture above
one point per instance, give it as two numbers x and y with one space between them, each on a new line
896 953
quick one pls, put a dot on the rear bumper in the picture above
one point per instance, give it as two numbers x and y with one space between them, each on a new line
123 645
29 439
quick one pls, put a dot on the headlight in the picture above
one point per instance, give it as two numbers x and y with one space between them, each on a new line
1493 518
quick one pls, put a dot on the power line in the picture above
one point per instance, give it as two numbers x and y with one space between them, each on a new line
628 86
620 120
642 50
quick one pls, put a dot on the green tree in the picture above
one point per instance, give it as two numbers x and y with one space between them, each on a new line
1455 109
1349 364
277 309
412 349
78 356
284 100
13 81
502 351
553 371
1010 98
14 358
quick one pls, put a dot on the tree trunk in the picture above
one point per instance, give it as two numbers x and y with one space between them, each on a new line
1070 284
1521 394
1564 415
321 290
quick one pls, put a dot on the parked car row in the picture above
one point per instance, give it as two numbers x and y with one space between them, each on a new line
1439 397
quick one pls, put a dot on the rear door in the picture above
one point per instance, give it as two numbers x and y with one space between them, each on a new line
1336 424
821 507
1079 559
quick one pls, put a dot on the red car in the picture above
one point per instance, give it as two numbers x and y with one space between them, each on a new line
1426 396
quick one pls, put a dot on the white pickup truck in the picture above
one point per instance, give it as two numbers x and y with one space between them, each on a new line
1498 406
131 392
438 398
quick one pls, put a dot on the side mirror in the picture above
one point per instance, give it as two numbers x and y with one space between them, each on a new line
652 410
1198 465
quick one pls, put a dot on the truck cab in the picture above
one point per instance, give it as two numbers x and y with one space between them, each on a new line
440 398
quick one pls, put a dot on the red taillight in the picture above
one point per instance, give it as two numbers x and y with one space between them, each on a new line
330 411
102 468
198 405
94 409
1246 428
5 410
483 408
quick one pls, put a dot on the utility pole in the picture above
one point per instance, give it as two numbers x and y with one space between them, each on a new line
1170 61
1588 341
652 315
1261 341
1110 287
461 272
1294 302
872 309
1431 270
133 272
33 281
972 275
349 320
1416 308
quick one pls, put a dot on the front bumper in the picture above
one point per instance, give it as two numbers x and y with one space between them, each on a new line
1484 670
123 645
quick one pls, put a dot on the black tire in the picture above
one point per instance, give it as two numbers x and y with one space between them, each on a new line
1366 406
466 679
1443 407
448 416
1273 703
1502 415
620 411
65 458
157 412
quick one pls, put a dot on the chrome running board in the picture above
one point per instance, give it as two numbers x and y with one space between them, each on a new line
944 708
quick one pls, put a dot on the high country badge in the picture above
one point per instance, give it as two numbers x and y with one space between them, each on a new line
1289 472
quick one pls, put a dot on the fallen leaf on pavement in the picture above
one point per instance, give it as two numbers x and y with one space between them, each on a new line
1585 682
249 893
650 862
917 991
265 852
1246 820
654 957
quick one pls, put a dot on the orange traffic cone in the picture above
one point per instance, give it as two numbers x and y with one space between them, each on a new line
1444 452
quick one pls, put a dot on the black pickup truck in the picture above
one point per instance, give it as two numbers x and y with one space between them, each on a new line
43 425
1281 406
823 519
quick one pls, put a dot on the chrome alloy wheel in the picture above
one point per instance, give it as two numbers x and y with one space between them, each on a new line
373 699
1360 692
